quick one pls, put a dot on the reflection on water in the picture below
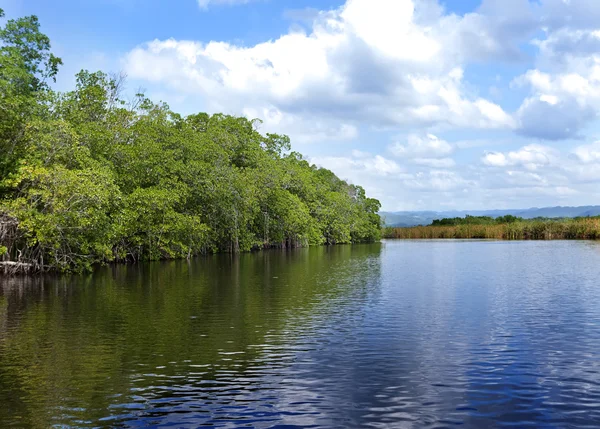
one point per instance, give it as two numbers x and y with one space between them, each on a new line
400 334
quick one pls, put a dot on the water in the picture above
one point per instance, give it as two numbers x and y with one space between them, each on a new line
430 334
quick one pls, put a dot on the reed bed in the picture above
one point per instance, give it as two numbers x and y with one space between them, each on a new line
564 229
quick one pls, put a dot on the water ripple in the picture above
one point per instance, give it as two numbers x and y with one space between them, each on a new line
405 335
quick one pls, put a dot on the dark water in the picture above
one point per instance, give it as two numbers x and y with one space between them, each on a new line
399 335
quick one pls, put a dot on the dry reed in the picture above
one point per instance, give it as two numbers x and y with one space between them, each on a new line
563 229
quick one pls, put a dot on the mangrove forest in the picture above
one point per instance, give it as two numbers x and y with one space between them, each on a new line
91 176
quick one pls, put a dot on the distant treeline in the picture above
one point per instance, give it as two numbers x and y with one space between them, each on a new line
87 177
476 220
504 228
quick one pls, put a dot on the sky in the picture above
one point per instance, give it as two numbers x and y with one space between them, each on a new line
427 104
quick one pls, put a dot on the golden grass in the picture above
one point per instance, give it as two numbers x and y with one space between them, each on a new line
567 229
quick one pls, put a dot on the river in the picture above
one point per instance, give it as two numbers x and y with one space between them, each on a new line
399 334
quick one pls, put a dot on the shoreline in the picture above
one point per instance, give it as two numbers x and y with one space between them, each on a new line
536 229
489 239
12 269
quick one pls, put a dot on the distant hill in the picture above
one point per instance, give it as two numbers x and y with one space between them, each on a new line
416 218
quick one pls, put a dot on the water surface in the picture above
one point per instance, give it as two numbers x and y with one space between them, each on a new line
403 334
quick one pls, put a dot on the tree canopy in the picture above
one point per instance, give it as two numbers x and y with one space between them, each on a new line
476 220
87 177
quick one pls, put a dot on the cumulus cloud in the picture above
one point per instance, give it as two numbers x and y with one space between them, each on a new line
561 104
530 157
404 66
358 164
575 14
438 180
428 146
532 175
303 129
495 30
535 166
205 3
424 150
435 163
565 84
383 63
588 153
398 183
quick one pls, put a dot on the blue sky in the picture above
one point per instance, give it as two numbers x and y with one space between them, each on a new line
428 104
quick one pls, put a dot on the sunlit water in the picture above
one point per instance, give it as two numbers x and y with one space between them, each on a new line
426 334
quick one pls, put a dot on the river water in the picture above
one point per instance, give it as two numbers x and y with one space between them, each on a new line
401 334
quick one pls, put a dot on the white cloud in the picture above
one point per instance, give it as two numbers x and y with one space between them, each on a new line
205 3
370 62
531 157
588 153
424 150
495 30
533 175
428 146
385 178
495 159
561 104
583 166
301 128
566 173
384 25
574 14
358 164
435 162
565 84
438 180
404 67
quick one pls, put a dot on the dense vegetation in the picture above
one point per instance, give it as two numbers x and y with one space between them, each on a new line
86 177
476 220
505 228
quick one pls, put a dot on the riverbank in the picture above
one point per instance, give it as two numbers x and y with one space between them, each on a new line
12 269
548 229
89 178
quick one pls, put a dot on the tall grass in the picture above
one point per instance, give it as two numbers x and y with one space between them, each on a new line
563 229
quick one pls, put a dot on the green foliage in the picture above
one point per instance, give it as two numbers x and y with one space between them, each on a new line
508 219
150 227
476 220
64 215
26 65
89 178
